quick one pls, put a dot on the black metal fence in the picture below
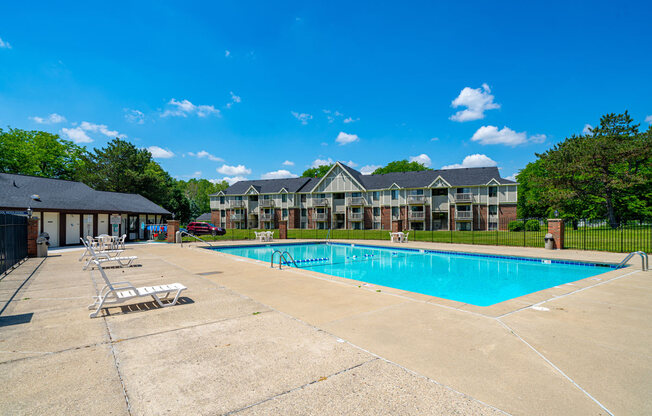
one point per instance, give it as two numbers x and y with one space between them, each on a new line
13 240
580 235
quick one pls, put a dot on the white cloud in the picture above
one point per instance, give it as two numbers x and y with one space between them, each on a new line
239 170
351 164
350 120
302 117
204 154
473 161
369 169
648 119
101 128
423 158
227 53
160 153
345 138
134 116
319 162
184 108
230 179
434 139
53 118
511 177
76 134
198 173
278 174
507 136
234 99
288 163
4 45
476 101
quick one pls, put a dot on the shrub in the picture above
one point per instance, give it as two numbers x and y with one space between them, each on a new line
515 225
532 225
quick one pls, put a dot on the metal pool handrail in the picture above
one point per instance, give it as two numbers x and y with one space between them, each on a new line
193 236
644 260
282 258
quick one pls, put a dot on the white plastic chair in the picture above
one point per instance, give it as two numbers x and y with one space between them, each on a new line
119 292
105 256
90 243
404 237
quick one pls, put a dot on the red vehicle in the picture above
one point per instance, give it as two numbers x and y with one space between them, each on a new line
199 228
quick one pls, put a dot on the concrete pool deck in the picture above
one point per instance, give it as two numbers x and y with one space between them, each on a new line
248 339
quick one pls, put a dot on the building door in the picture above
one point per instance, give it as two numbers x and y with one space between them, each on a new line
73 228
102 224
88 225
132 233
51 226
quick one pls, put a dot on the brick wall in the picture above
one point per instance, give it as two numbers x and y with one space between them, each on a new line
428 214
311 218
403 218
294 218
480 217
451 218
506 213
556 228
386 218
278 217
368 222
215 217
228 219
32 235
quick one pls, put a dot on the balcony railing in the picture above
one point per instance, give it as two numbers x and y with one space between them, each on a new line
237 217
417 215
464 215
416 199
355 201
319 202
464 198
321 217
266 203
266 216
237 204
356 216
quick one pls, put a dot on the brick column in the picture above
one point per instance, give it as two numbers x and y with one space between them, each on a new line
556 228
173 227
283 230
32 235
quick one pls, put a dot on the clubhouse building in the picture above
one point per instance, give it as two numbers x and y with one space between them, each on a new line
447 199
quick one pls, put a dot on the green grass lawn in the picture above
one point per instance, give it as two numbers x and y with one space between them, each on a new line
625 239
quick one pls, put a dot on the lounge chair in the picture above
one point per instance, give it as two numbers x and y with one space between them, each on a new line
90 243
119 292
104 257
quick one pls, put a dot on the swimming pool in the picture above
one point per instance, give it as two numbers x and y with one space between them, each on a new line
477 279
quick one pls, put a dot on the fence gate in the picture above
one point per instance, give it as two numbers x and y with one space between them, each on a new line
13 240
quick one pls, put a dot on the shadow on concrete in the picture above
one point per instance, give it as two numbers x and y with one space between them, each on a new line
146 306
23 318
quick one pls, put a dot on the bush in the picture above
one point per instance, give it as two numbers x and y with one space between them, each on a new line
515 225
532 225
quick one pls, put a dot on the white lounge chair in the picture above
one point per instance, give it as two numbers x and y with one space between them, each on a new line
260 236
103 257
119 292
91 243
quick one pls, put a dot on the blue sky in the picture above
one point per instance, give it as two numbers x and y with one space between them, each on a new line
265 89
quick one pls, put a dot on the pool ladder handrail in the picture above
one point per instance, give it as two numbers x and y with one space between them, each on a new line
193 236
282 258
328 235
645 265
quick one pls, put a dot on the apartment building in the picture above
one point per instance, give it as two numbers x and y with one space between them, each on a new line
449 199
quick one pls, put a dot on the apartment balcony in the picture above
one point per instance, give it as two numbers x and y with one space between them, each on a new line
266 217
355 201
321 217
320 202
416 199
356 216
463 198
237 204
266 203
237 217
464 215
417 215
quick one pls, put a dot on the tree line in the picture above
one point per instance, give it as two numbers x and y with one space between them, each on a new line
120 166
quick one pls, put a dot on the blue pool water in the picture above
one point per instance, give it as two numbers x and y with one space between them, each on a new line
481 280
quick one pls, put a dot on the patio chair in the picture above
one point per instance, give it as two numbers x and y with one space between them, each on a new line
121 242
404 238
91 243
104 257
260 236
119 292
269 236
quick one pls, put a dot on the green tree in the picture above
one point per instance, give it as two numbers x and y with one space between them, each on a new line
606 173
39 153
318 172
198 191
401 166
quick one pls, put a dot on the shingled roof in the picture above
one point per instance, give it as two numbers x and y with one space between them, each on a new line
58 194
422 179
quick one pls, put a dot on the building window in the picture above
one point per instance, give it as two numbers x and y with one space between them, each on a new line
303 197
493 226
493 191
253 198
439 192
221 200
416 192
303 225
223 213
304 212
375 195
394 212
394 194
463 226
376 211
285 213
284 197
237 198
338 196
377 225
493 209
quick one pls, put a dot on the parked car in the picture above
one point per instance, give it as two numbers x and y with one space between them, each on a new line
199 228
